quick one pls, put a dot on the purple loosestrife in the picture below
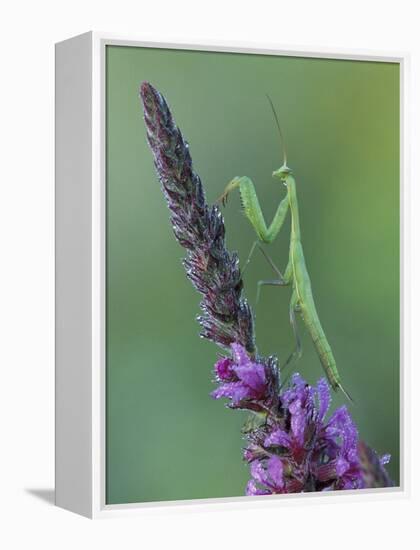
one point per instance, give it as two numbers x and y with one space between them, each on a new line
294 447
249 385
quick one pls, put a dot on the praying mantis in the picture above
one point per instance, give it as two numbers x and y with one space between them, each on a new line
296 274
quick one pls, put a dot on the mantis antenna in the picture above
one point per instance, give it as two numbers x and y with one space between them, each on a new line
279 129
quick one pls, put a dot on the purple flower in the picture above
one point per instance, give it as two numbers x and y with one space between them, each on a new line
317 455
341 437
268 475
246 383
296 448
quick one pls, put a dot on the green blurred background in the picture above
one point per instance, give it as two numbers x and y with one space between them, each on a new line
166 438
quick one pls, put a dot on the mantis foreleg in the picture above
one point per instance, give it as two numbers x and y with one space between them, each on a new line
252 209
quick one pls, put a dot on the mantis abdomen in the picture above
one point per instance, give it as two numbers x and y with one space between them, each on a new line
326 357
306 305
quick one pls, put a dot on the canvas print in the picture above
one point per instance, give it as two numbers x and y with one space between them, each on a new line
252 275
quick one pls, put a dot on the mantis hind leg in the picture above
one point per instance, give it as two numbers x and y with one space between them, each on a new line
251 253
297 352
283 280
271 282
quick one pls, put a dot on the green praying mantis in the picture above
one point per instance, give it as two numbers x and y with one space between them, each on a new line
296 273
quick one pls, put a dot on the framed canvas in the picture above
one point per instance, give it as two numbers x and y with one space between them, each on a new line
253 196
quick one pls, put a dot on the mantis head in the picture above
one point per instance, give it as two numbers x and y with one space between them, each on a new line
282 172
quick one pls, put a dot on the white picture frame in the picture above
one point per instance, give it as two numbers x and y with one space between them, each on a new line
80 273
